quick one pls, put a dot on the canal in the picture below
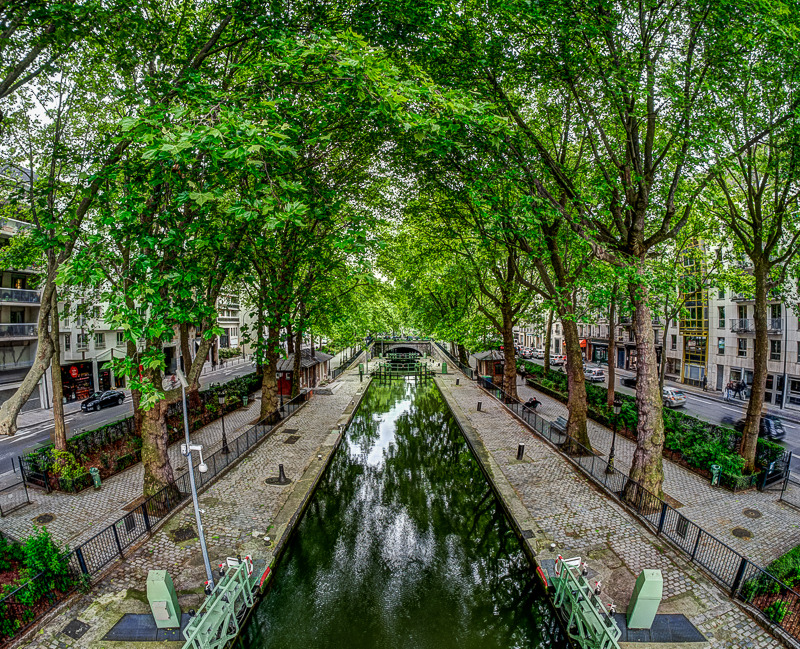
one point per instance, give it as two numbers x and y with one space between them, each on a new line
403 545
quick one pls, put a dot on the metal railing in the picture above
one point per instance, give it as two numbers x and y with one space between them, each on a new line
742 325
19 295
464 368
110 544
774 601
13 497
345 364
22 330
774 324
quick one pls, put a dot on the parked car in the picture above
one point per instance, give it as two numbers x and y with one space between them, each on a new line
628 381
557 359
771 427
673 398
527 352
594 374
102 400
538 353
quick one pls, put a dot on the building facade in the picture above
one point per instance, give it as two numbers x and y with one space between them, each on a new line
20 301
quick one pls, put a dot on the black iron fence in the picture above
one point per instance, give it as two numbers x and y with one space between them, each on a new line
790 491
345 364
464 368
13 497
20 607
773 600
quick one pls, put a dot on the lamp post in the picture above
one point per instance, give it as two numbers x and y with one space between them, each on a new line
225 448
187 451
617 409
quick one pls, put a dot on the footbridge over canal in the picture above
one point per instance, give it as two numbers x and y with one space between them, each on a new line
420 347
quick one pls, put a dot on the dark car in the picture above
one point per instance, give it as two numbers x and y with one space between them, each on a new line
628 381
771 427
102 400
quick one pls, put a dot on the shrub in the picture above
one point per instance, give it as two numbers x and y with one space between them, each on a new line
776 611
42 555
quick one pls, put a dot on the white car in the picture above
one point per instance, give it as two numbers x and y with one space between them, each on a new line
557 359
673 398
538 353
594 374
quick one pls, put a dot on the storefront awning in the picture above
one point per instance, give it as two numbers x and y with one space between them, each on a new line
583 342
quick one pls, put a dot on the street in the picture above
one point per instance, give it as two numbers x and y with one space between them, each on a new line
33 435
711 410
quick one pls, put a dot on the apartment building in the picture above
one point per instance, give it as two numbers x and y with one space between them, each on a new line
725 353
20 301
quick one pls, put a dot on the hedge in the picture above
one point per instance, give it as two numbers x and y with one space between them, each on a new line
700 443
84 444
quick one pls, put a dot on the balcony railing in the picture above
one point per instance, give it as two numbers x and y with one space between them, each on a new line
22 330
774 324
742 325
742 297
19 295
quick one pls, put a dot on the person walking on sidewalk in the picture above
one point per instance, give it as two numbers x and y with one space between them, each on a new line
741 390
705 384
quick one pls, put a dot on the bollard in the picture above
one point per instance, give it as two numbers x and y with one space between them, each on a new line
282 479
479 406
520 451
457 380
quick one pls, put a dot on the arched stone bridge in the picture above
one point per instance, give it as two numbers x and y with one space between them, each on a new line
421 347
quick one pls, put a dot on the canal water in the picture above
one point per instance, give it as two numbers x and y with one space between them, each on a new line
403 545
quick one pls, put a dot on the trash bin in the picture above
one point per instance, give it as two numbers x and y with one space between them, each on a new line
444 367
245 399
95 473
715 473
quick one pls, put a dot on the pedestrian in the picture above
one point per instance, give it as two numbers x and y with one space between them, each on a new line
728 390
742 390
705 384
737 389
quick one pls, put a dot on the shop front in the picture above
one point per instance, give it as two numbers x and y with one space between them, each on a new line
77 381
600 353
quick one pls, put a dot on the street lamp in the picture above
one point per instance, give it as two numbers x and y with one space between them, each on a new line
225 448
617 409
187 451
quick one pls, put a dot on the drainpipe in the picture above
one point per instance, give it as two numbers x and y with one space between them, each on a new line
785 356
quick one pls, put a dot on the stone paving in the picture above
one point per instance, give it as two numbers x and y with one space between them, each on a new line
569 511
80 516
239 510
716 510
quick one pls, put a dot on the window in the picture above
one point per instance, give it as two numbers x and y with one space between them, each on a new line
120 339
742 346
96 312
721 294
721 310
721 346
674 343
798 351
82 341
67 340
99 341
774 350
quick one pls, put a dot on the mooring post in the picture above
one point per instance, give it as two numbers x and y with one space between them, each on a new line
520 451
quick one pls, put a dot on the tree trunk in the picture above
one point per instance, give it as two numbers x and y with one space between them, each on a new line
269 381
259 346
548 340
215 351
136 395
576 403
9 410
612 349
155 459
647 467
289 338
462 354
760 350
662 368
59 427
296 367
509 357
186 354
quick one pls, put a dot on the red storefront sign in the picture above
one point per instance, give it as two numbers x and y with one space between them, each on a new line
73 372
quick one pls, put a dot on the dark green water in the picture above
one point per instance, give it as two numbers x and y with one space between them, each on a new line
403 545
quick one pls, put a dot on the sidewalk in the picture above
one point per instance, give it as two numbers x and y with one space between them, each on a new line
549 496
716 510
77 517
239 510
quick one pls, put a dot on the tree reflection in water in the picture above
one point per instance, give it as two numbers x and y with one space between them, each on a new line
403 545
